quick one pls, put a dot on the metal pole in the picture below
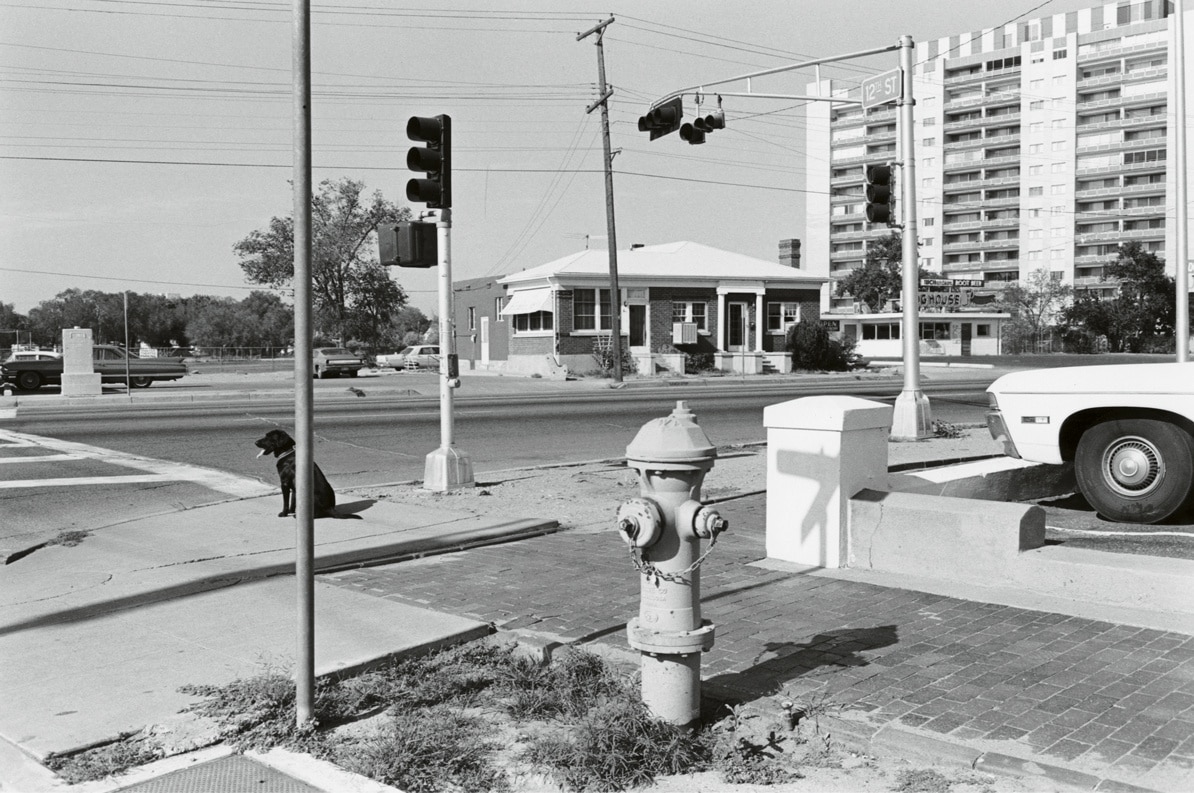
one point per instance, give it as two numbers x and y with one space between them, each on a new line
912 418
1181 199
446 468
304 394
128 380
615 294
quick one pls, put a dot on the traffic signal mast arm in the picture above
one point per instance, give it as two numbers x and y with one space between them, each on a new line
656 124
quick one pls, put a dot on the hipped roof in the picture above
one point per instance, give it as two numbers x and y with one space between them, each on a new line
686 260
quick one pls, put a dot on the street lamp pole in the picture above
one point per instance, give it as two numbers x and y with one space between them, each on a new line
912 417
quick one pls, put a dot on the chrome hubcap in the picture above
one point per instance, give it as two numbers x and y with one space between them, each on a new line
1132 466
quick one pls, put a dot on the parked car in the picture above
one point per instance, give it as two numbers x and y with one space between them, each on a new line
112 363
421 356
34 355
335 361
1127 428
391 360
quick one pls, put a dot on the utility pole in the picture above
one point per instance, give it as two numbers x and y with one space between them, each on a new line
304 393
911 419
615 295
1181 201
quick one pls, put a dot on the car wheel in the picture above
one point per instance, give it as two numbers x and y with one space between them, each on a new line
319 375
28 381
1135 470
140 382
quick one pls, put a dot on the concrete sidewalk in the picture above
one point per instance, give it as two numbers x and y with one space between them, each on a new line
98 638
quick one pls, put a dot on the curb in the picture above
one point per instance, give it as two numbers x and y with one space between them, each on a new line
890 740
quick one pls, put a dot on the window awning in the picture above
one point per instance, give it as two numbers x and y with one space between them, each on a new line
529 301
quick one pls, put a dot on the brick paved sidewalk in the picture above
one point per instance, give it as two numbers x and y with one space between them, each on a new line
1077 695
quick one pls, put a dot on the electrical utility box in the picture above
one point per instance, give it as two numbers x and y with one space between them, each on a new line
408 244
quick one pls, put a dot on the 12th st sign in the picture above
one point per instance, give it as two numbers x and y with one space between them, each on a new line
882 88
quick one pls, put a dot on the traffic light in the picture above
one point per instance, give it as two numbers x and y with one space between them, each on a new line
694 133
434 159
408 244
878 194
662 119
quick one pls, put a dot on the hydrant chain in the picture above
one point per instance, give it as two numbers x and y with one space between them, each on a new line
653 573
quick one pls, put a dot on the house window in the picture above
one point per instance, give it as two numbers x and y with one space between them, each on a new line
781 316
535 322
690 312
497 309
472 318
585 315
982 331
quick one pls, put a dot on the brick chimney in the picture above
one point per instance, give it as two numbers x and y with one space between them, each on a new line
789 253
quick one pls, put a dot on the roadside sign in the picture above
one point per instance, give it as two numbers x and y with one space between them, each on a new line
882 88
955 283
952 299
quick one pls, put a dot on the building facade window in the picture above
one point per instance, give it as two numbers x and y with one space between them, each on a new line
882 330
690 312
781 316
585 313
472 318
535 322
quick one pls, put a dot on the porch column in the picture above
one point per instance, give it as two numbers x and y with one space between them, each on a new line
721 321
760 322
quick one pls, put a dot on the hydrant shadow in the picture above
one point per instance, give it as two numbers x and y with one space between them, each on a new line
780 662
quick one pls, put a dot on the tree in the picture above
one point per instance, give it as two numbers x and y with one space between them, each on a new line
1141 316
13 326
260 320
881 276
1035 303
348 293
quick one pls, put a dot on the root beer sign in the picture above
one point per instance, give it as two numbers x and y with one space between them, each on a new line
943 294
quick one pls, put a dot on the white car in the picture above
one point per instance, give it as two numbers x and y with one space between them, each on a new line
1127 428
421 356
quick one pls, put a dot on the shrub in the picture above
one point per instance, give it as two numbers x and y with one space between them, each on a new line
603 354
812 348
698 362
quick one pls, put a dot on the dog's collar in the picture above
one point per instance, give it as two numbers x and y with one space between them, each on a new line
287 454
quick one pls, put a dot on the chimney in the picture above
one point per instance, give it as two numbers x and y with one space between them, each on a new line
789 253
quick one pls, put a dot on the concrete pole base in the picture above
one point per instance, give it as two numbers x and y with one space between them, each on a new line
448 468
671 687
912 419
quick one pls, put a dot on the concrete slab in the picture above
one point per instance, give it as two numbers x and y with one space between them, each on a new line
70 686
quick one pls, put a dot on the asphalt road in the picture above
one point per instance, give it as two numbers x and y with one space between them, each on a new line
386 436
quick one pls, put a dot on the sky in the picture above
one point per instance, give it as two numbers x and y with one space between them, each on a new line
140 140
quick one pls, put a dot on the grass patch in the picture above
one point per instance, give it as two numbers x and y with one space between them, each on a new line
921 781
104 761
68 539
480 716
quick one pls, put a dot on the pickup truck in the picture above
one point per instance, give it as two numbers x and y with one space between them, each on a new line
109 361
1127 428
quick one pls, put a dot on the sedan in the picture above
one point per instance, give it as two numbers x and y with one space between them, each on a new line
334 361
422 356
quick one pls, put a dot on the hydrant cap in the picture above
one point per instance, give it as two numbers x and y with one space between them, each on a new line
676 438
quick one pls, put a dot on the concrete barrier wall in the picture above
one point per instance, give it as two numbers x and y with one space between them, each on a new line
953 538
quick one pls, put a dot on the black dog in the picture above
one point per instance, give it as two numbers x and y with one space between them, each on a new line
281 445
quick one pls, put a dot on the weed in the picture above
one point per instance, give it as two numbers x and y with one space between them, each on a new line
423 751
615 746
104 761
68 538
942 429
921 781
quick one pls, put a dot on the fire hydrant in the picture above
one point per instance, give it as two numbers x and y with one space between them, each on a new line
664 528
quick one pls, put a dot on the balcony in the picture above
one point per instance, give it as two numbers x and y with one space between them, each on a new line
1001 202
842 256
968 101
964 267
1000 181
961 247
1007 159
1000 223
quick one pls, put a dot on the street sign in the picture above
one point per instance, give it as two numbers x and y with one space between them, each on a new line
882 88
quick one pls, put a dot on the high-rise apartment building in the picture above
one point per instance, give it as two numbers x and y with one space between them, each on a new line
1043 144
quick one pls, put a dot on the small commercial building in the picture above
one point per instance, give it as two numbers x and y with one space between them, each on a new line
955 333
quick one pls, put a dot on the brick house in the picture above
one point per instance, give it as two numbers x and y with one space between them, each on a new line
673 301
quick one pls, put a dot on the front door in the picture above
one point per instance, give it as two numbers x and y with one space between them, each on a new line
966 331
638 326
736 327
